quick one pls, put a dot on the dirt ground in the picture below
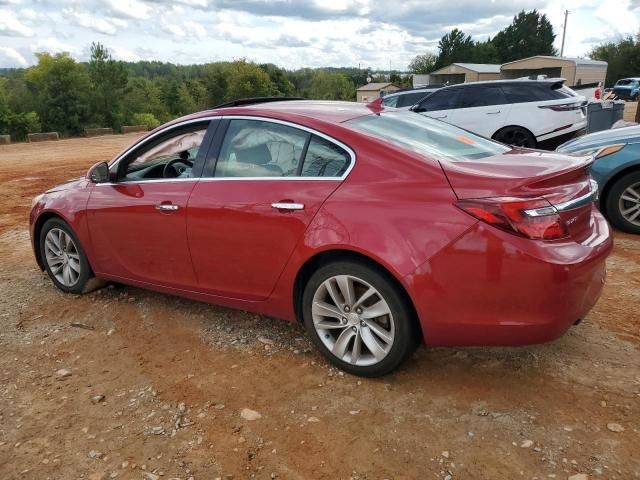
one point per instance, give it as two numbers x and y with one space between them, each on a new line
176 374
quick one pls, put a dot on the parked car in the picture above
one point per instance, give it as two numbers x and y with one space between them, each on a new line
405 98
523 113
627 88
375 229
617 171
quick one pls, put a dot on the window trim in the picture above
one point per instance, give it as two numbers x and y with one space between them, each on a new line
311 131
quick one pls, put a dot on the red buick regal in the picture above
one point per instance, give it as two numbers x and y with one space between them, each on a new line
377 229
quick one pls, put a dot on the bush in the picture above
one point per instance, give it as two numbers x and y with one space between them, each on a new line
147 119
20 124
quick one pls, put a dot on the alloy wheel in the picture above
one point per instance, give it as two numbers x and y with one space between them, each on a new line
515 137
353 320
629 204
62 257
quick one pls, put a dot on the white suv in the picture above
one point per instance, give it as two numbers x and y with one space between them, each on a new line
524 113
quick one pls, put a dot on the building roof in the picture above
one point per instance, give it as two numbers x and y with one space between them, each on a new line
473 67
582 62
375 86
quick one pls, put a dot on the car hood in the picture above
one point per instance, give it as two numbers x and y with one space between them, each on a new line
599 139
69 185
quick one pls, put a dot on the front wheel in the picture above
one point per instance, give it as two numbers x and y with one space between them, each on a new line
622 204
516 136
63 257
358 319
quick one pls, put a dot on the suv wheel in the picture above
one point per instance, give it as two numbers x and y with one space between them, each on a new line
622 204
358 319
516 136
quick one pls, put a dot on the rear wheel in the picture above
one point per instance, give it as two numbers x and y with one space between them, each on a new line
623 203
358 319
516 136
63 257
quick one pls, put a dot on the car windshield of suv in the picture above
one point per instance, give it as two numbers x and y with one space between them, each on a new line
625 82
427 136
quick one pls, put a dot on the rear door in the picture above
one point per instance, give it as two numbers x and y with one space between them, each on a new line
484 109
262 187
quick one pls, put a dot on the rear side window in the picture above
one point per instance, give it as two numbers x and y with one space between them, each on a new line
324 159
481 96
445 99
390 101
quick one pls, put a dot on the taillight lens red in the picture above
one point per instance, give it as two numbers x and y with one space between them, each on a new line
531 218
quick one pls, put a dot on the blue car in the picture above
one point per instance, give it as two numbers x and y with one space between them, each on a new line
617 171
627 88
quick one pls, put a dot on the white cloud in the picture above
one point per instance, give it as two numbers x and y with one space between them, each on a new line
129 8
53 45
106 25
9 57
10 26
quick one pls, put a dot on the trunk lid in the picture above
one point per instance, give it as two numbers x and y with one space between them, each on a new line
563 180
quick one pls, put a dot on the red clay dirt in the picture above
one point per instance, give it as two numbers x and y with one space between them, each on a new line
176 374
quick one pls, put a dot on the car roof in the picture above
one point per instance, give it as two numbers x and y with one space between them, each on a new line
324 110
629 78
405 91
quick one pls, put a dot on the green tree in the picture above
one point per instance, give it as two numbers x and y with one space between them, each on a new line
20 124
485 52
530 33
147 119
331 86
109 79
245 80
281 85
62 88
421 64
5 112
622 56
143 95
455 46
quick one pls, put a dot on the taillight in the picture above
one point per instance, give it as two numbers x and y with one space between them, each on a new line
533 218
564 107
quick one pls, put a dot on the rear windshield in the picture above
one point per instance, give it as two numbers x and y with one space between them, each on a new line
427 136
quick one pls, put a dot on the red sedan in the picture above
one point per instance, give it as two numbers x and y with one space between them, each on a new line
377 229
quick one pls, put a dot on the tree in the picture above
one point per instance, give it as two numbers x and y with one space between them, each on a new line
485 52
62 88
331 86
622 56
109 79
5 112
425 63
143 95
455 46
530 34
281 85
245 80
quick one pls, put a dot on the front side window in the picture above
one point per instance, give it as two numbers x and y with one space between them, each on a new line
255 148
445 99
411 99
171 156
427 136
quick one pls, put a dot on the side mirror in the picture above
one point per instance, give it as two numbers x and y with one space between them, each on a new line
418 109
99 173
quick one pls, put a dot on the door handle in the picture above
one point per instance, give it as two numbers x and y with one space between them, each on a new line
288 206
167 207
493 113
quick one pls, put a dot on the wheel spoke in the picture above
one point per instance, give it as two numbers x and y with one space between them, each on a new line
75 265
635 215
376 310
384 335
356 349
630 199
629 210
50 244
329 325
633 192
345 284
331 290
340 347
372 343
323 309
65 274
365 296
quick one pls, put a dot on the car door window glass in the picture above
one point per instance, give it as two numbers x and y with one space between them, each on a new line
482 97
390 101
172 157
410 99
255 148
324 159
446 99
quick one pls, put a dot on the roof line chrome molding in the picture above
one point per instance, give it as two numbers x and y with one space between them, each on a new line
345 147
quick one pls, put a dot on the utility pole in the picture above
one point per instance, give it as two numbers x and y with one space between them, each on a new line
564 31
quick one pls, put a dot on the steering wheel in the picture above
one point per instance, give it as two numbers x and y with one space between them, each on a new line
177 171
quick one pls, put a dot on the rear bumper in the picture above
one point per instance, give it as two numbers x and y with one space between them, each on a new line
493 288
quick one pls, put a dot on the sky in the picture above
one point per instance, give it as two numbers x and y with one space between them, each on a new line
378 34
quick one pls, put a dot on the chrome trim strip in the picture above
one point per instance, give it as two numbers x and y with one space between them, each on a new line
580 201
540 212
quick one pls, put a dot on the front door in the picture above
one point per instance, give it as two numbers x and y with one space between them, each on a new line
138 221
246 218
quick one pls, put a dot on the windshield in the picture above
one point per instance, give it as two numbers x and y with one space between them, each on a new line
427 136
626 81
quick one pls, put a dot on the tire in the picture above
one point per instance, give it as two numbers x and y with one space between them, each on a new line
393 335
621 207
516 136
69 271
